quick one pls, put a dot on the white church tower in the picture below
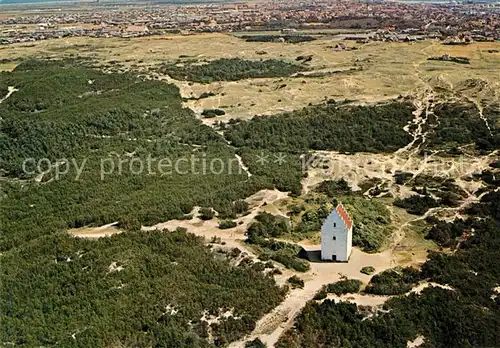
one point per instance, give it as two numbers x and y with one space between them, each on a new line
336 236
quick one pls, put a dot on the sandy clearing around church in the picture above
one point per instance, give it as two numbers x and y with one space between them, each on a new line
273 324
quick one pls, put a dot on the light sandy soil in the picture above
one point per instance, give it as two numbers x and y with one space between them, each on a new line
95 232
422 286
417 342
233 237
360 299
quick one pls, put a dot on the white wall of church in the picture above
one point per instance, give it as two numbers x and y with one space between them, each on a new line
340 246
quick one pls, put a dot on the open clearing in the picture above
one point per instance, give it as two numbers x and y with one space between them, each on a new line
95 232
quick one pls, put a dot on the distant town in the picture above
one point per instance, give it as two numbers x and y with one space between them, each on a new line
456 23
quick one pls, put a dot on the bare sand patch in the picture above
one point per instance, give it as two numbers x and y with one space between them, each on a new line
95 232
417 342
360 299
422 286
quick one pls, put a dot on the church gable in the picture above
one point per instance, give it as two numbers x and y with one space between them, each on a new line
333 221
338 218
344 215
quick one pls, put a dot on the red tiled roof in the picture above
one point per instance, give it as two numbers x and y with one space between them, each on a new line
344 215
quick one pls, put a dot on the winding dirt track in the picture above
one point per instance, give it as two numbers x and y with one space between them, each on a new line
10 91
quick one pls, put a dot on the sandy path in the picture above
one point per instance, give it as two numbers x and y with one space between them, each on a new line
10 91
243 166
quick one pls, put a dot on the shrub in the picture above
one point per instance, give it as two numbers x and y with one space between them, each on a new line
394 281
231 70
226 224
268 225
321 295
207 213
291 261
295 282
334 188
416 204
295 209
256 343
240 206
235 252
258 266
345 286
371 230
282 252
210 113
368 270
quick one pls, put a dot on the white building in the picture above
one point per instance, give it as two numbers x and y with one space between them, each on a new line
336 236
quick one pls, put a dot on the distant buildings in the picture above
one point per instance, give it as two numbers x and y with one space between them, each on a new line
386 21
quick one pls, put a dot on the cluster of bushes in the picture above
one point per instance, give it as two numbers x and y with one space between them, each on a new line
444 233
232 69
368 270
206 213
282 252
417 204
344 286
461 124
288 258
394 281
312 220
226 224
268 225
372 229
256 343
446 190
281 170
334 188
230 210
211 113
489 177
260 234
327 127
295 282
